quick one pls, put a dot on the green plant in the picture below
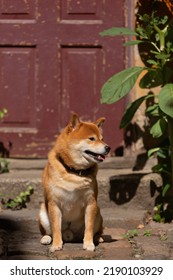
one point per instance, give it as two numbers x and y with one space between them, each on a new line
158 210
147 232
4 165
155 33
3 112
19 201
163 236
134 232
131 233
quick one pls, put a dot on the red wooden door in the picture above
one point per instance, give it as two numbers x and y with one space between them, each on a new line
53 62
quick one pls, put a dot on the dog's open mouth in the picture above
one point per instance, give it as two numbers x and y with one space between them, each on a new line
98 157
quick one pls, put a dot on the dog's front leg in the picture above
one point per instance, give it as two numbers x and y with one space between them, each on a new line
55 217
90 216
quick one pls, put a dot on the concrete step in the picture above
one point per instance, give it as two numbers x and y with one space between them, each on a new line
112 217
134 162
117 187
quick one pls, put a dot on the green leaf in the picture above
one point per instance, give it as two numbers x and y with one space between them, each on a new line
152 151
152 78
164 152
159 128
153 110
120 84
166 99
3 112
157 217
165 189
151 61
162 56
147 232
118 31
131 110
132 43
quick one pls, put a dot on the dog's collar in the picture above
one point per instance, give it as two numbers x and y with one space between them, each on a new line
79 172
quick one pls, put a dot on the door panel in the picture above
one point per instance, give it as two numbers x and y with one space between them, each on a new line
18 9
82 10
80 78
53 62
17 64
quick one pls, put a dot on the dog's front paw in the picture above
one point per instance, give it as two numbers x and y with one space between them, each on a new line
55 248
46 240
89 246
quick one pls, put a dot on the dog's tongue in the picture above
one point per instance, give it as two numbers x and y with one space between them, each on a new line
101 157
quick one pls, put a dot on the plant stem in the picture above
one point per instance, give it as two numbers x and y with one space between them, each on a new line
162 34
156 47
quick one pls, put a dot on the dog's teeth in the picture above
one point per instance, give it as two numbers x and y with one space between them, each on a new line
100 157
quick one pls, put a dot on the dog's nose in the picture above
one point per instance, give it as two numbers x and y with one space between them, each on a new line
107 148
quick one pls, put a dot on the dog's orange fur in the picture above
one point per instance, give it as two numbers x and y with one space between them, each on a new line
70 210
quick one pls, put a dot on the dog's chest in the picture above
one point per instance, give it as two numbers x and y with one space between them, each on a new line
72 198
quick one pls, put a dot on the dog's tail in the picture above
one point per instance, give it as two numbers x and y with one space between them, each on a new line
43 220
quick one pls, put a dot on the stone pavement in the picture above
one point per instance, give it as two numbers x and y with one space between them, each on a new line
19 239
128 234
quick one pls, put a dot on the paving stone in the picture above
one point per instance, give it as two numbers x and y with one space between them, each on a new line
113 234
118 254
73 251
153 248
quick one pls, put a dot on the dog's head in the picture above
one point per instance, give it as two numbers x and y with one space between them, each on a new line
84 142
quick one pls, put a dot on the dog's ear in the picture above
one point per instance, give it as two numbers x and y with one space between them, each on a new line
100 122
74 122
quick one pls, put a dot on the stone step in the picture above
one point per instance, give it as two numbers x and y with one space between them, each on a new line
131 162
117 186
112 217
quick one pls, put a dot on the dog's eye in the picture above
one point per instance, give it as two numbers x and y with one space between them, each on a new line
91 138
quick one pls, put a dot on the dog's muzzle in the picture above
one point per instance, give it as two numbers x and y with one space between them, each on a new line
99 157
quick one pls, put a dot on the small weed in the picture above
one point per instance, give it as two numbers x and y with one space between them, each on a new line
134 232
131 233
19 201
163 237
4 165
147 232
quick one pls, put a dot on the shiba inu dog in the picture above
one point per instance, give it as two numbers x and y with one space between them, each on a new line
70 211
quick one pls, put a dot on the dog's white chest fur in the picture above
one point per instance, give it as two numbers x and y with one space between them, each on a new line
72 197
